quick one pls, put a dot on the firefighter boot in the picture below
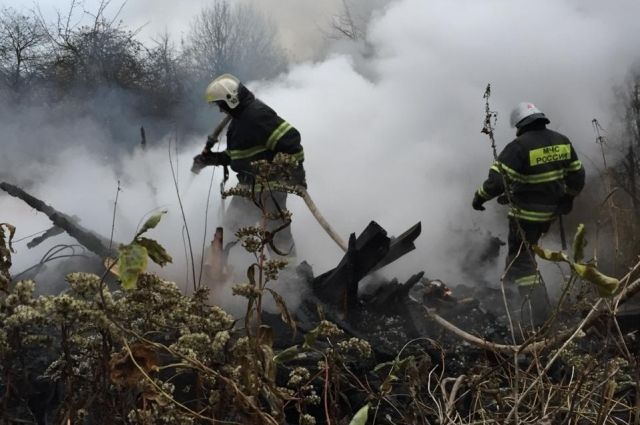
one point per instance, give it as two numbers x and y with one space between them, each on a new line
535 305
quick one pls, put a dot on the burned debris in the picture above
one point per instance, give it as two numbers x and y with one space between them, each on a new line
370 251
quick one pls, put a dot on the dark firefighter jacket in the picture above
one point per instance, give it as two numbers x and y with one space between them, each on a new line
541 167
255 133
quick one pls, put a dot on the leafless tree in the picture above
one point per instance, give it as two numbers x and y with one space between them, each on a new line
621 161
628 170
163 77
346 25
21 49
233 38
102 52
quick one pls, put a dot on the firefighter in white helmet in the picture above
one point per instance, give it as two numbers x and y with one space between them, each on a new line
255 133
543 174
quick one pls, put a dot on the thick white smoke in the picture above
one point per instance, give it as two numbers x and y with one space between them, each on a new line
404 145
391 130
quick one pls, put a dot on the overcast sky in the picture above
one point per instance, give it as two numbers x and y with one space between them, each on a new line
390 127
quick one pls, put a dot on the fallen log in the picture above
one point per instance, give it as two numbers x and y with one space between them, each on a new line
95 243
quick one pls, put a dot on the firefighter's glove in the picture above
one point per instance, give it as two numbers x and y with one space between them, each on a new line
210 142
503 200
565 205
477 202
212 158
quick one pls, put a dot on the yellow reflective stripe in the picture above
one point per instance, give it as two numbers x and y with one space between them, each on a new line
530 280
531 215
246 153
277 134
548 176
271 144
510 172
549 154
298 156
575 165
483 194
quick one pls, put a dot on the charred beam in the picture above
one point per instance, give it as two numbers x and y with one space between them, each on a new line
216 271
368 252
340 285
401 245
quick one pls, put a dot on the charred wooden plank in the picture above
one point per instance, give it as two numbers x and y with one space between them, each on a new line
216 270
401 245
340 285
372 250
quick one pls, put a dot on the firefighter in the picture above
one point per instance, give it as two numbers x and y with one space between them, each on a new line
543 175
255 133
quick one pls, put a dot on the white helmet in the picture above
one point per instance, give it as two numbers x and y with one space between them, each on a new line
225 88
526 113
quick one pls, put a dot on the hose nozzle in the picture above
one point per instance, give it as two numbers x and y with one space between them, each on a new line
197 166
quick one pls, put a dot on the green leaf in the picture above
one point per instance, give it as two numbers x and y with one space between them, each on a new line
156 252
361 416
287 355
606 285
151 222
556 256
132 262
578 244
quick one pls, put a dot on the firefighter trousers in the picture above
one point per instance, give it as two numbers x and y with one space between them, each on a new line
521 266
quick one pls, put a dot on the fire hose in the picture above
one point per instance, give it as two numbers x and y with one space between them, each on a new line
322 221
